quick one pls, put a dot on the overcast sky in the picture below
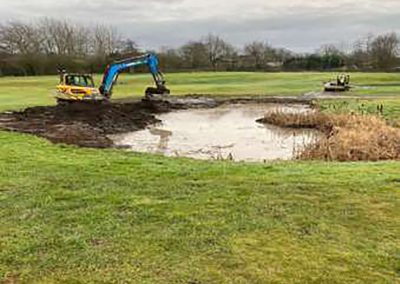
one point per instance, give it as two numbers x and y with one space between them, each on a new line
294 24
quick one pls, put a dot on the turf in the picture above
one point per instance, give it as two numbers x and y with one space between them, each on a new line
388 107
83 216
71 215
26 91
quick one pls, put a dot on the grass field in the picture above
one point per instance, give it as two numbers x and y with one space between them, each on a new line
26 91
71 215
390 110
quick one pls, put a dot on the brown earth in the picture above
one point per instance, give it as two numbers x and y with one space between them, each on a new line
83 125
88 125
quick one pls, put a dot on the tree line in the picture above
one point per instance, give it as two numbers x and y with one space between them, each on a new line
43 46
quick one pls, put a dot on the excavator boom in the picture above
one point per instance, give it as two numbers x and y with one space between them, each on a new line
113 70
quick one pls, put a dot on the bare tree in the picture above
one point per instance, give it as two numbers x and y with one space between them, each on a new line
257 52
360 57
329 50
262 55
332 56
3 45
22 42
194 54
39 47
18 37
58 36
81 40
384 51
105 40
128 47
218 50
281 54
42 45
170 58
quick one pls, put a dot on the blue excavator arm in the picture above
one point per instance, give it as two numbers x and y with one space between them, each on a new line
113 70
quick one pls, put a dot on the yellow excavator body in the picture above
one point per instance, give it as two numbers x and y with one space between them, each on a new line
77 88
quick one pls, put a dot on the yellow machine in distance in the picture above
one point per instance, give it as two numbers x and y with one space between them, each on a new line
77 87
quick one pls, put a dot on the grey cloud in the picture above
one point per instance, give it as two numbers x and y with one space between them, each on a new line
111 10
303 31
299 25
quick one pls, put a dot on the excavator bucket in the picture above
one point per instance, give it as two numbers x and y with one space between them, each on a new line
155 91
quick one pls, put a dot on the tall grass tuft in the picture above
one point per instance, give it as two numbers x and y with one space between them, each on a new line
347 137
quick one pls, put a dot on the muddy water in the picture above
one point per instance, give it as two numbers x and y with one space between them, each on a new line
226 132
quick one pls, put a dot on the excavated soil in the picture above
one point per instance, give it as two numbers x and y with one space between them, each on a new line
82 125
89 125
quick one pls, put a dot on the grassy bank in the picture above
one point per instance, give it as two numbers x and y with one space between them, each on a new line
82 216
387 107
26 91
71 215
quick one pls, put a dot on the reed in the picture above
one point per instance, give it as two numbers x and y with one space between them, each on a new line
346 137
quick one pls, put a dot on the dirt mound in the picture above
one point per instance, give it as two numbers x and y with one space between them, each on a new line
82 124
88 125
78 134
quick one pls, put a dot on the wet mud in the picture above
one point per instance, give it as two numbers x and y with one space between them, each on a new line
90 125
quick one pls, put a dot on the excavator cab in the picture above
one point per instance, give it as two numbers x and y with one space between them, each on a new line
77 87
79 80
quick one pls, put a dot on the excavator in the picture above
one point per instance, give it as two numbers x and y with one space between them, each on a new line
74 87
341 84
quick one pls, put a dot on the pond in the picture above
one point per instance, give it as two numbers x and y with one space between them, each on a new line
226 132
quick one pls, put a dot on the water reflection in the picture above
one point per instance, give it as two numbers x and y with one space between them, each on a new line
164 135
227 132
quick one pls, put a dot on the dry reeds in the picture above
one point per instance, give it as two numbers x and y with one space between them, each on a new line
347 137
295 120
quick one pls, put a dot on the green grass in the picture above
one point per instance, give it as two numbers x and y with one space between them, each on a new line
388 107
28 91
75 215
71 215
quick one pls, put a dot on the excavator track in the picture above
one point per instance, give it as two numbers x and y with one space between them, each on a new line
69 103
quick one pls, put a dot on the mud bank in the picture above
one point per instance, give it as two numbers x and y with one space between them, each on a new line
88 125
